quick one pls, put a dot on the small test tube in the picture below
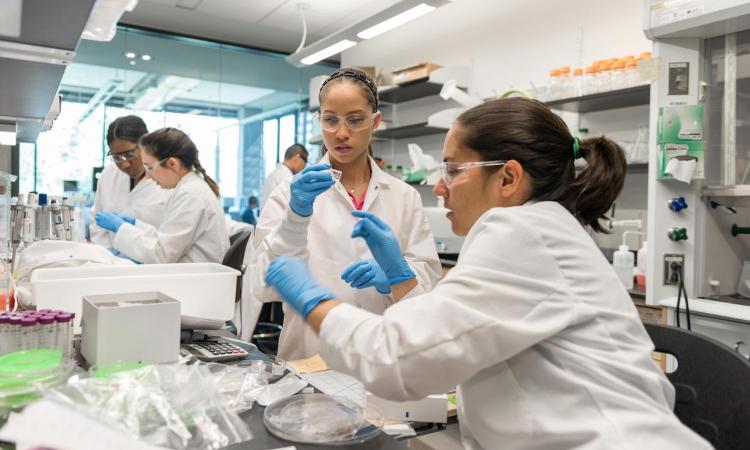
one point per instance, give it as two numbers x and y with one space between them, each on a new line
65 333
29 332
14 333
47 330
4 337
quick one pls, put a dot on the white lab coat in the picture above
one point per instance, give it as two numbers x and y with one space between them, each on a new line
281 174
323 241
194 228
533 327
145 202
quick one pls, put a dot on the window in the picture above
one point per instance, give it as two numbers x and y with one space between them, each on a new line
287 135
270 145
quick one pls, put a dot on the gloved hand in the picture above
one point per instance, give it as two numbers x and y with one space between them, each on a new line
307 185
109 220
293 281
114 251
383 246
127 218
367 273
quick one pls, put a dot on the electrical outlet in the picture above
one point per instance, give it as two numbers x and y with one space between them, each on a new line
673 264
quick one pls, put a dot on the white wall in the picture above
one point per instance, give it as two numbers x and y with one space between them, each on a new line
509 42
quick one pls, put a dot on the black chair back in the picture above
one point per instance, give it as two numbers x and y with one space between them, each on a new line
235 257
712 385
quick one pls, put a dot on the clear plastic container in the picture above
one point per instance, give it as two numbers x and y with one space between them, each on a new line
603 77
590 82
21 372
565 82
4 337
632 78
65 333
617 76
322 419
576 83
14 333
554 87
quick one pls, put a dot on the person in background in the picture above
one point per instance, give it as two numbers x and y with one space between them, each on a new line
250 213
532 326
311 216
295 159
123 186
194 228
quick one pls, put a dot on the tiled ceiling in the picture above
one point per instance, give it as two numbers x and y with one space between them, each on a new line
269 24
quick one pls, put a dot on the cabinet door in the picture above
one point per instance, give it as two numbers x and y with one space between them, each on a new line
733 334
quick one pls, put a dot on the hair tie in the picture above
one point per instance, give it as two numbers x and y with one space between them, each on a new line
357 75
576 148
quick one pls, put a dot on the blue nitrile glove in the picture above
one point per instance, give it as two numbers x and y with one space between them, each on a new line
109 220
295 284
127 218
114 251
366 273
307 185
383 246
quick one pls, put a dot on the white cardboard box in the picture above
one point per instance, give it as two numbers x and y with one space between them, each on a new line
136 327
205 290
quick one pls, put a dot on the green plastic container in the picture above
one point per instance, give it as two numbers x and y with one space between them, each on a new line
21 372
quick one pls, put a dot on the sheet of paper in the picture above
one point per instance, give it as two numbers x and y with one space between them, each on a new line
335 383
64 428
310 365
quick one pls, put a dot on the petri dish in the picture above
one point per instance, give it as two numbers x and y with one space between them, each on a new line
22 372
322 419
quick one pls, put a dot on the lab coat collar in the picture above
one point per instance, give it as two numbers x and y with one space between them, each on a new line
188 178
378 181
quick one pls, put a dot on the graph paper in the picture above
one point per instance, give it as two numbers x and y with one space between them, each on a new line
335 383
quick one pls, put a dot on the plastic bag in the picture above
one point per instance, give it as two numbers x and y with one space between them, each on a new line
177 406
239 383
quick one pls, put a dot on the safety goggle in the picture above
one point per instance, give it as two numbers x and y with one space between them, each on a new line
354 122
151 167
124 156
450 170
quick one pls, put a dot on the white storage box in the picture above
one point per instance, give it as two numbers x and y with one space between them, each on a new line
204 290
140 327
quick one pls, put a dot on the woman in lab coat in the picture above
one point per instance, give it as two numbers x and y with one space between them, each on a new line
310 217
532 325
123 186
194 228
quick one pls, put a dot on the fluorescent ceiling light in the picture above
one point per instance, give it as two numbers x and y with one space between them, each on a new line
396 21
102 23
7 138
146 57
10 19
129 55
328 51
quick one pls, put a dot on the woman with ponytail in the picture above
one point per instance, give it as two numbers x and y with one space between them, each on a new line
532 325
194 228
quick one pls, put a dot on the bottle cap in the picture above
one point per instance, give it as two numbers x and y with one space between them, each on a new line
42 199
46 320
4 319
28 321
64 317
15 320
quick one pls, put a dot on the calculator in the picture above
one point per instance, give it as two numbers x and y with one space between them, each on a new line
215 351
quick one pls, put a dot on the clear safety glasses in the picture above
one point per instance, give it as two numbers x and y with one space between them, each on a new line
450 170
354 122
151 167
124 156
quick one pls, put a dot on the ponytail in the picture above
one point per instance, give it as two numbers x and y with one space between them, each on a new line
211 183
527 131
597 186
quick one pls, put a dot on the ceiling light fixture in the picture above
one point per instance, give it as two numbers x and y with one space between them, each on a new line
396 21
388 19
129 55
328 51
146 57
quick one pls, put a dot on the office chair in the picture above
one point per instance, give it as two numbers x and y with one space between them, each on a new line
234 258
712 392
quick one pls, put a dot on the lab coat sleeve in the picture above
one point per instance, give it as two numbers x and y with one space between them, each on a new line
168 243
98 235
419 249
280 231
505 295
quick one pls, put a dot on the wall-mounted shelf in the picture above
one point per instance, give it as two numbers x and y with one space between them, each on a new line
622 98
409 91
407 131
729 195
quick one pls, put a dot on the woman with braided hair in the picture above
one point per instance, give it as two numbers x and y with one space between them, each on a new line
194 228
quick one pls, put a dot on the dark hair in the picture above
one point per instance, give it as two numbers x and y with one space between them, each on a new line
171 142
356 77
129 128
252 201
529 132
294 150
